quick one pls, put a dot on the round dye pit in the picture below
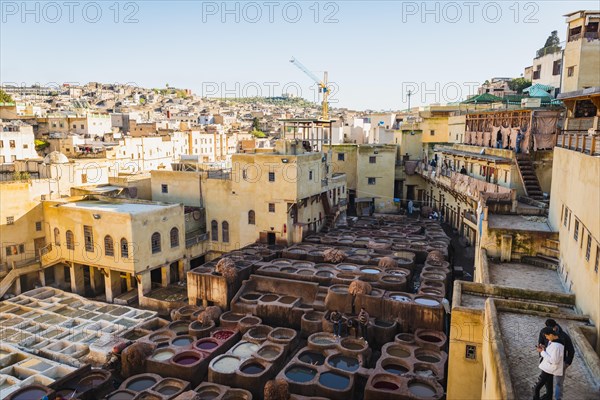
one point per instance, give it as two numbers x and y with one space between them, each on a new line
222 335
346 267
339 289
305 272
430 338
323 340
398 297
93 380
288 270
139 384
344 363
250 321
395 369
324 274
420 389
208 394
385 385
424 371
397 351
206 345
252 369
226 364
269 352
168 390
282 334
288 299
312 358
300 374
370 271
186 359
268 298
251 296
118 395
182 341
245 349
333 380
427 302
427 357
259 332
68 394
351 344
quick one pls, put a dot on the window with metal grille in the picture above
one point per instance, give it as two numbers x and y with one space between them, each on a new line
471 352
164 188
109 246
56 237
341 156
576 232
225 229
597 263
124 248
10 220
566 216
272 207
70 240
251 217
214 231
155 242
588 249
271 176
372 181
38 226
88 237
174 234
372 160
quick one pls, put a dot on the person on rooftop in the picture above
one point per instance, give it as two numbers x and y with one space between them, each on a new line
551 365
569 354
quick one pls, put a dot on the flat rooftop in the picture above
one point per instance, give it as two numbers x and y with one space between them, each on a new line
519 336
519 223
485 157
525 276
123 208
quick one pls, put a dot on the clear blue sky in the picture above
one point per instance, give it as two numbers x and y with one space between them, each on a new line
374 51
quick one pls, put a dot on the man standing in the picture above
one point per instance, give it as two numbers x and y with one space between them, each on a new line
410 207
569 354
519 140
363 324
552 363
499 139
336 320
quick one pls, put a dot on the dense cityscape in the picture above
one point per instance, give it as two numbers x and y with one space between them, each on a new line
159 243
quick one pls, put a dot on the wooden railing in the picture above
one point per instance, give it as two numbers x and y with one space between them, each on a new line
580 141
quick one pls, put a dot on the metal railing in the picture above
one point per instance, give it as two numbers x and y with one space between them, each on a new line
194 240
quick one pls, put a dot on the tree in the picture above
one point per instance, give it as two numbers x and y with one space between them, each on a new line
552 45
519 84
255 124
5 97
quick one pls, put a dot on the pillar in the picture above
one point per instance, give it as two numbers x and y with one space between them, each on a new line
112 285
96 280
165 275
129 284
144 283
506 248
59 276
77 282
184 267
42 277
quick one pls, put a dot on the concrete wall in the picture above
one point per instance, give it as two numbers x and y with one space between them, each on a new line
576 193
584 56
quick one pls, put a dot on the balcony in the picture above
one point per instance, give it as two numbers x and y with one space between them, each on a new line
193 239
581 141
473 188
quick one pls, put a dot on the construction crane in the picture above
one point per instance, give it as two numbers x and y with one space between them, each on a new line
323 88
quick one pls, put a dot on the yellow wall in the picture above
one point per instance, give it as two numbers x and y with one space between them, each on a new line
576 188
584 55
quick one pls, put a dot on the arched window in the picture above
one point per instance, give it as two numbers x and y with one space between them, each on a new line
214 231
109 246
225 228
70 240
124 248
174 237
155 241
57 236
251 217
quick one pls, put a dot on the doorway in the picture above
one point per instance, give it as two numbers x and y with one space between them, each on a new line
271 238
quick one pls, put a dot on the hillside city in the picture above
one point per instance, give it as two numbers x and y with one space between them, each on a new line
162 244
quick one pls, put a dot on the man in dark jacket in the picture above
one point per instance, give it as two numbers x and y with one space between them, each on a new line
569 354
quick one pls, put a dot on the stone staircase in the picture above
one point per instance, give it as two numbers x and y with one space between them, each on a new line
530 180
16 273
330 213
547 257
